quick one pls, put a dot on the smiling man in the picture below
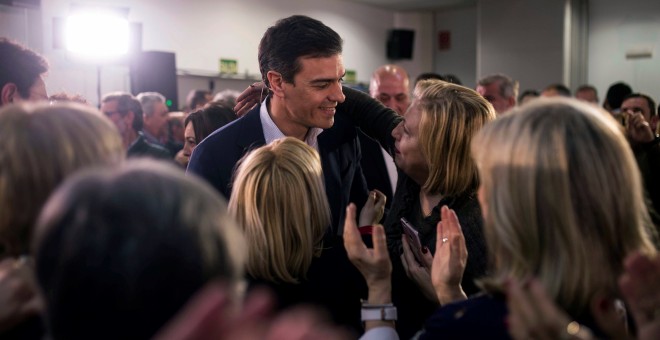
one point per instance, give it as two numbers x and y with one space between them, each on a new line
300 60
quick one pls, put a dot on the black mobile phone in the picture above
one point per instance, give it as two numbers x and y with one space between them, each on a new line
413 239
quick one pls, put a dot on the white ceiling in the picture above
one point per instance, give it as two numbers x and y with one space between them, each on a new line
409 5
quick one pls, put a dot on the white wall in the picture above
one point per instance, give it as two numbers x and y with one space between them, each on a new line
203 31
461 58
422 24
521 38
615 27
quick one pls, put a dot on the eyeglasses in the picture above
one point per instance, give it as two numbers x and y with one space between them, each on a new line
112 113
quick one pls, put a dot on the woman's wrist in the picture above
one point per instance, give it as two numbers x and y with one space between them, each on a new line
449 294
380 293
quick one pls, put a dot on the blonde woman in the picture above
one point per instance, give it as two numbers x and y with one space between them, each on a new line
279 200
562 201
40 146
432 150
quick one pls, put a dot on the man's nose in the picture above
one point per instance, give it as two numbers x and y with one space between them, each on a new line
337 94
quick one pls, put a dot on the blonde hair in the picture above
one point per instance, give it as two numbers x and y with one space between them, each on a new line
279 199
450 116
564 199
40 145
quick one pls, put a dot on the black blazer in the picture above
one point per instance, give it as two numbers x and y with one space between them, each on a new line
374 168
215 158
142 148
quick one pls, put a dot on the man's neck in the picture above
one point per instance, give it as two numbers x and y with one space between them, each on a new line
282 118
129 138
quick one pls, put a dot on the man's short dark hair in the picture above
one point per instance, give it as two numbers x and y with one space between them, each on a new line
292 38
615 94
126 102
20 65
561 89
649 101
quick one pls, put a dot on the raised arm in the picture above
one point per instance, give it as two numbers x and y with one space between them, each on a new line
373 118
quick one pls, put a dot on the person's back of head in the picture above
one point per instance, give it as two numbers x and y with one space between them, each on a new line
554 90
614 97
226 97
119 251
451 78
41 145
209 119
450 116
562 200
527 95
279 199
428 76
20 71
197 98
292 38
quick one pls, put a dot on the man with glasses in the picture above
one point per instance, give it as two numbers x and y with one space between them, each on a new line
126 113
21 73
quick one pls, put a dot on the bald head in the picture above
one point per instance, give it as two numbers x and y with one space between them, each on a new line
390 85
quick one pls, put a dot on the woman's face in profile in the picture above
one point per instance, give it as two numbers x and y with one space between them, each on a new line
189 142
408 154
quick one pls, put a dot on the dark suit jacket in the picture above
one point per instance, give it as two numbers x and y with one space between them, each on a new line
215 158
374 168
142 148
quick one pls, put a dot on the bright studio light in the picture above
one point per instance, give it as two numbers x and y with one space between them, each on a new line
96 34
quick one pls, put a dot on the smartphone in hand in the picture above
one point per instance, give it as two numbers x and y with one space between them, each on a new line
413 239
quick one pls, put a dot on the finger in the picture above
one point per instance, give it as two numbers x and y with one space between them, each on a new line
199 317
438 235
428 259
258 304
545 304
245 108
407 250
352 240
253 88
380 242
520 315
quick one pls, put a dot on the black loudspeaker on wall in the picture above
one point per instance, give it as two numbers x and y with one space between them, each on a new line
153 71
400 44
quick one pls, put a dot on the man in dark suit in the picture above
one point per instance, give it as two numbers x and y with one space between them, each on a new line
301 63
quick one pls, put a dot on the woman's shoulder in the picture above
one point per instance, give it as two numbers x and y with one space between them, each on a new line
480 317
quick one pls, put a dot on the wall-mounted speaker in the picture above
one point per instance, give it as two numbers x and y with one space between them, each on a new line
155 71
400 44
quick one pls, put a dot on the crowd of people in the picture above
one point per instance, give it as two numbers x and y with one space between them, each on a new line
303 208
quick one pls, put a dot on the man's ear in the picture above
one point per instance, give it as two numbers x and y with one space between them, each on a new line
276 81
654 123
9 94
130 116
512 102
609 314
